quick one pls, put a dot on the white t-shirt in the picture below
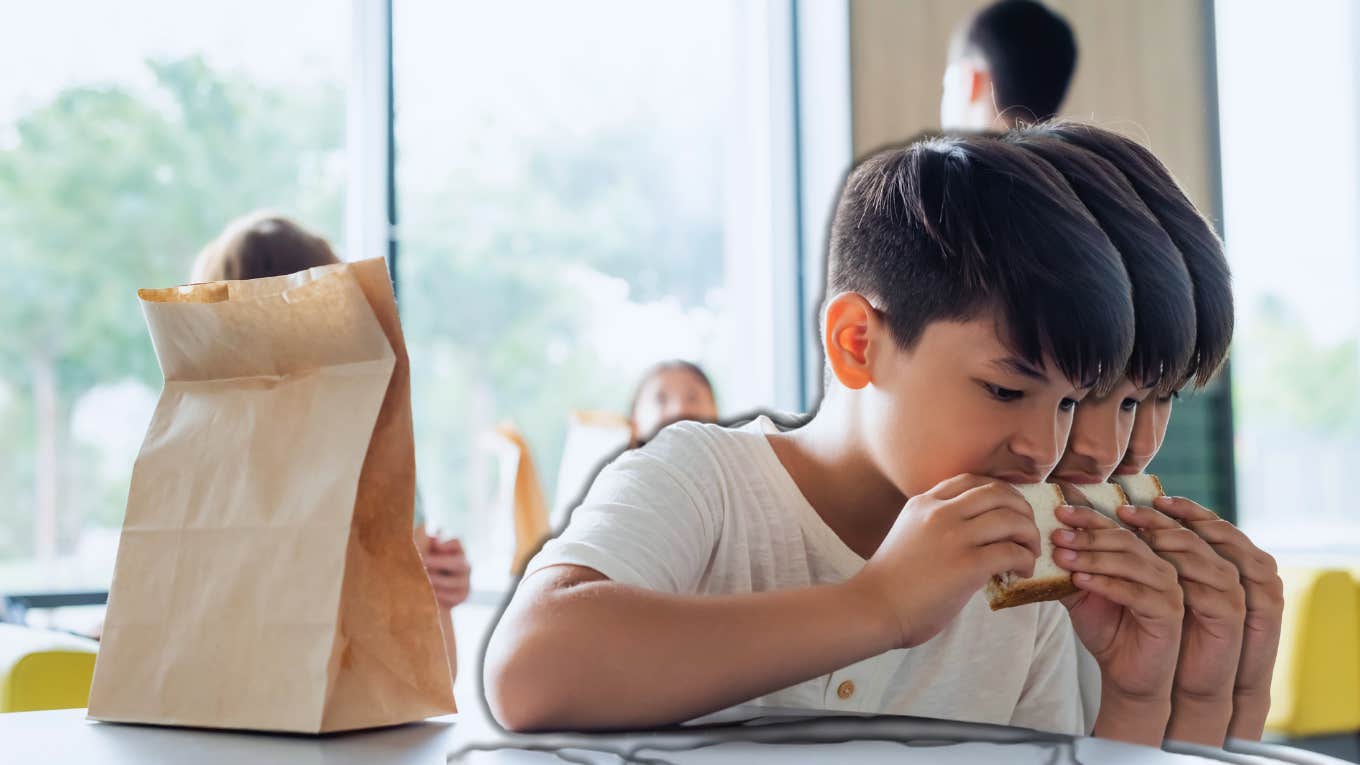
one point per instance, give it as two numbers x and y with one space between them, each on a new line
704 509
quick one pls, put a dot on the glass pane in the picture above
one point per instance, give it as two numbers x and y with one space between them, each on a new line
580 198
137 131
1289 127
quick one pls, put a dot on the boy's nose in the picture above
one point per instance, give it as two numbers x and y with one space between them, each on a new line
1039 447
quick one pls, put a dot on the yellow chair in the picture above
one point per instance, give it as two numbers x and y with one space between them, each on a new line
44 670
1315 689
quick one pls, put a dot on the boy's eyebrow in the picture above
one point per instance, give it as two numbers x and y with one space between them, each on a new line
1018 366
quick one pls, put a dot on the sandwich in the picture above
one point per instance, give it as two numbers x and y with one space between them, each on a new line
1049 581
1141 489
1103 498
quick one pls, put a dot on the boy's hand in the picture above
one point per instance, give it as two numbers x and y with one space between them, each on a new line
953 537
1211 635
447 567
1260 578
1128 614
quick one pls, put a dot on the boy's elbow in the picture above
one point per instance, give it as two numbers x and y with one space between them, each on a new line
520 695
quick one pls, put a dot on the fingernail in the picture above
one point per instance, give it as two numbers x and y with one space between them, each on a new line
1065 555
1081 577
1161 501
1064 536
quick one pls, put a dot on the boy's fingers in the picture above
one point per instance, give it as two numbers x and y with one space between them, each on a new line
1146 518
950 488
1195 567
1005 524
990 496
1214 605
1002 557
1178 539
1143 601
1084 518
1183 509
1093 539
1122 565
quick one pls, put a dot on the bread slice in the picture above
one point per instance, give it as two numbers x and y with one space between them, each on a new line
1049 581
1141 488
1103 498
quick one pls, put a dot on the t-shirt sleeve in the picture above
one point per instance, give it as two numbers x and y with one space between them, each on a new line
647 520
1050 700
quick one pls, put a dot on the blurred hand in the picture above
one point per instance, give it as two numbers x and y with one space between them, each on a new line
447 567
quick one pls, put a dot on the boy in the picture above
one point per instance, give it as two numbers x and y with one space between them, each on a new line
1247 698
1163 358
973 301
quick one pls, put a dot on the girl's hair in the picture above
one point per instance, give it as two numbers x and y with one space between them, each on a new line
258 245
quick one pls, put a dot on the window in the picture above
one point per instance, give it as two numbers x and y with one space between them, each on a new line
131 139
1289 126
585 189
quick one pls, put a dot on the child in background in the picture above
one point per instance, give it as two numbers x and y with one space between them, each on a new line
670 392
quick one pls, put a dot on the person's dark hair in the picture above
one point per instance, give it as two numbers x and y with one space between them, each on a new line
945 228
673 365
1031 54
1192 234
259 245
1163 298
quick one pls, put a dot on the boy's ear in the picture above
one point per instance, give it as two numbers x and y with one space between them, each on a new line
849 322
979 84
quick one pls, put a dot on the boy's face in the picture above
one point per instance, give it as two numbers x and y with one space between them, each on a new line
1149 430
961 402
1101 430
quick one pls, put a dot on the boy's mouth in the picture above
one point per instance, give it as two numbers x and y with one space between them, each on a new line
1020 478
1080 477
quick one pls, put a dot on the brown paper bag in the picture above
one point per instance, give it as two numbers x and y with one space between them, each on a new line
266 576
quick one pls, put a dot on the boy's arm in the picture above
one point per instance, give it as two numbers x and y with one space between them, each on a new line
578 651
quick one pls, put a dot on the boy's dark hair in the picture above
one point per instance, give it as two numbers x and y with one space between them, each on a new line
1163 297
1192 234
1031 54
946 228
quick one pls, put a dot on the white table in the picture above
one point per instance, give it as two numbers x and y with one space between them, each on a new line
49 738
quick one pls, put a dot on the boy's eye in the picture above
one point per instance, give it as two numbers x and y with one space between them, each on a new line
1168 397
1128 405
1067 405
1003 394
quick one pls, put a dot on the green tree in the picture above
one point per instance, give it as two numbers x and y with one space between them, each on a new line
106 189
1285 380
